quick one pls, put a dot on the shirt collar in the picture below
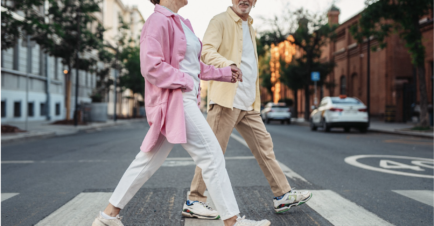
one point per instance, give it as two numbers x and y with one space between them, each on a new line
163 10
235 17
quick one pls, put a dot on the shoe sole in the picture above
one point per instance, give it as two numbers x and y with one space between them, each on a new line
286 208
193 215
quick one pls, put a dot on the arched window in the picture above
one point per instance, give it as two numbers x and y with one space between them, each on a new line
343 85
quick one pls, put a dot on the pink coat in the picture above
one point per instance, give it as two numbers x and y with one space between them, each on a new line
162 47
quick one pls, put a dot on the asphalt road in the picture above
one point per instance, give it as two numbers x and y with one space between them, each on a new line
57 180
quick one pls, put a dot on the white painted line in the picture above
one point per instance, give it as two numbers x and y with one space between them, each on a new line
18 162
286 170
81 210
342 212
423 196
6 196
201 222
352 160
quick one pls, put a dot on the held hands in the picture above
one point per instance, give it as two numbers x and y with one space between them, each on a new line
237 74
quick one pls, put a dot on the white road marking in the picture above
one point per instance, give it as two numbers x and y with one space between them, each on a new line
423 196
6 196
18 162
352 160
81 210
201 222
286 170
340 211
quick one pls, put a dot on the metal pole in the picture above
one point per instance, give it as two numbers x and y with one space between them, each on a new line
368 95
77 66
47 104
114 84
29 70
315 99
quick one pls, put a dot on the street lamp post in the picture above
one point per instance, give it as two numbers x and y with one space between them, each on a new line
368 95
77 66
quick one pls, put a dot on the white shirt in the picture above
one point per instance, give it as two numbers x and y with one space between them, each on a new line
190 64
246 91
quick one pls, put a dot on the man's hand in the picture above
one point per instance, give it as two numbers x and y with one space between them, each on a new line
237 74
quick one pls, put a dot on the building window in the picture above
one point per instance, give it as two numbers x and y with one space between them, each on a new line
31 109
57 108
41 61
17 109
16 57
343 85
43 110
3 108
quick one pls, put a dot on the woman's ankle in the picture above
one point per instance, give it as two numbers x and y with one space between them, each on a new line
111 210
231 221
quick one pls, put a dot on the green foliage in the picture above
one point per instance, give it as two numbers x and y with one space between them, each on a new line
381 17
10 27
265 73
132 77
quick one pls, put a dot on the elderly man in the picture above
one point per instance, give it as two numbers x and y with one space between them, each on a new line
230 40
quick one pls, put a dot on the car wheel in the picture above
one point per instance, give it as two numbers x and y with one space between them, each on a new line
312 125
282 122
267 120
288 121
363 129
347 129
325 126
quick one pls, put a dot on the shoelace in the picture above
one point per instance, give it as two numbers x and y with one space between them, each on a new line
205 205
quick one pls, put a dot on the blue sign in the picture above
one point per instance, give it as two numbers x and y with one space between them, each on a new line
315 76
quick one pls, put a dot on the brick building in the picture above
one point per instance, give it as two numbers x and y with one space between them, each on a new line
393 82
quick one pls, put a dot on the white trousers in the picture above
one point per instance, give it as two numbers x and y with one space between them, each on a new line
203 147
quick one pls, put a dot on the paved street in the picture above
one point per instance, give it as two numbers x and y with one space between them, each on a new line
356 179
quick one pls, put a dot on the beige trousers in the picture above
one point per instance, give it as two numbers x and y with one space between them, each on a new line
249 124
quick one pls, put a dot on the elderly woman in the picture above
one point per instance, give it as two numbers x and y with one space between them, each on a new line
169 55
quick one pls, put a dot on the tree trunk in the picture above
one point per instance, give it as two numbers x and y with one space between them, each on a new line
306 103
295 113
68 93
423 120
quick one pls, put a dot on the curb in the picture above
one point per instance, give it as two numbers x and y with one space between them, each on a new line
410 134
55 134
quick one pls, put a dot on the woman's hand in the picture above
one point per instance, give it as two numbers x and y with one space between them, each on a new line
237 74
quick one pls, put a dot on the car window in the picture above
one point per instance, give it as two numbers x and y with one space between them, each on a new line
337 100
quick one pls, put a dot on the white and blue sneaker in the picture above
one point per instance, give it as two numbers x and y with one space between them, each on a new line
199 210
293 198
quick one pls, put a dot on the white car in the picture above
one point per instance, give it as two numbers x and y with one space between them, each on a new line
279 112
341 111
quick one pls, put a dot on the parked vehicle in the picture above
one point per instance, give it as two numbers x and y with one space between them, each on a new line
342 111
278 112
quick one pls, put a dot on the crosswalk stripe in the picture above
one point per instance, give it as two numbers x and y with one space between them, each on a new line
423 196
340 211
81 210
6 196
201 222
286 170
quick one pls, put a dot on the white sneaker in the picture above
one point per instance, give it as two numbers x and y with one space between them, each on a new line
199 210
244 222
290 199
100 221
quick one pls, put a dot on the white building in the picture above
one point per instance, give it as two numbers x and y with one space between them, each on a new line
26 91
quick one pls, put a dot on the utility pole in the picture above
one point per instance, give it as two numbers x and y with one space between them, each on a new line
368 94
29 70
114 84
77 64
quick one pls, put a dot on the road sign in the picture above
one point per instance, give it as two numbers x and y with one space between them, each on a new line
315 76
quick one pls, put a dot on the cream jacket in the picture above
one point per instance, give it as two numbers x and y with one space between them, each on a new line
223 46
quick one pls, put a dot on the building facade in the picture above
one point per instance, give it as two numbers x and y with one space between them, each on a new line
33 84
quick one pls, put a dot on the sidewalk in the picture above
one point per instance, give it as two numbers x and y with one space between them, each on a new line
43 129
385 127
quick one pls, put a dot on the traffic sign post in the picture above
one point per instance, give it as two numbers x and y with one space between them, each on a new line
315 76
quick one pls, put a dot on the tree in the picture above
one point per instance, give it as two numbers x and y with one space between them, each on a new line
311 35
12 23
71 23
381 17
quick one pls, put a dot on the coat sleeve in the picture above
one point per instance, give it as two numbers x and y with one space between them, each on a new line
209 72
157 71
211 43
